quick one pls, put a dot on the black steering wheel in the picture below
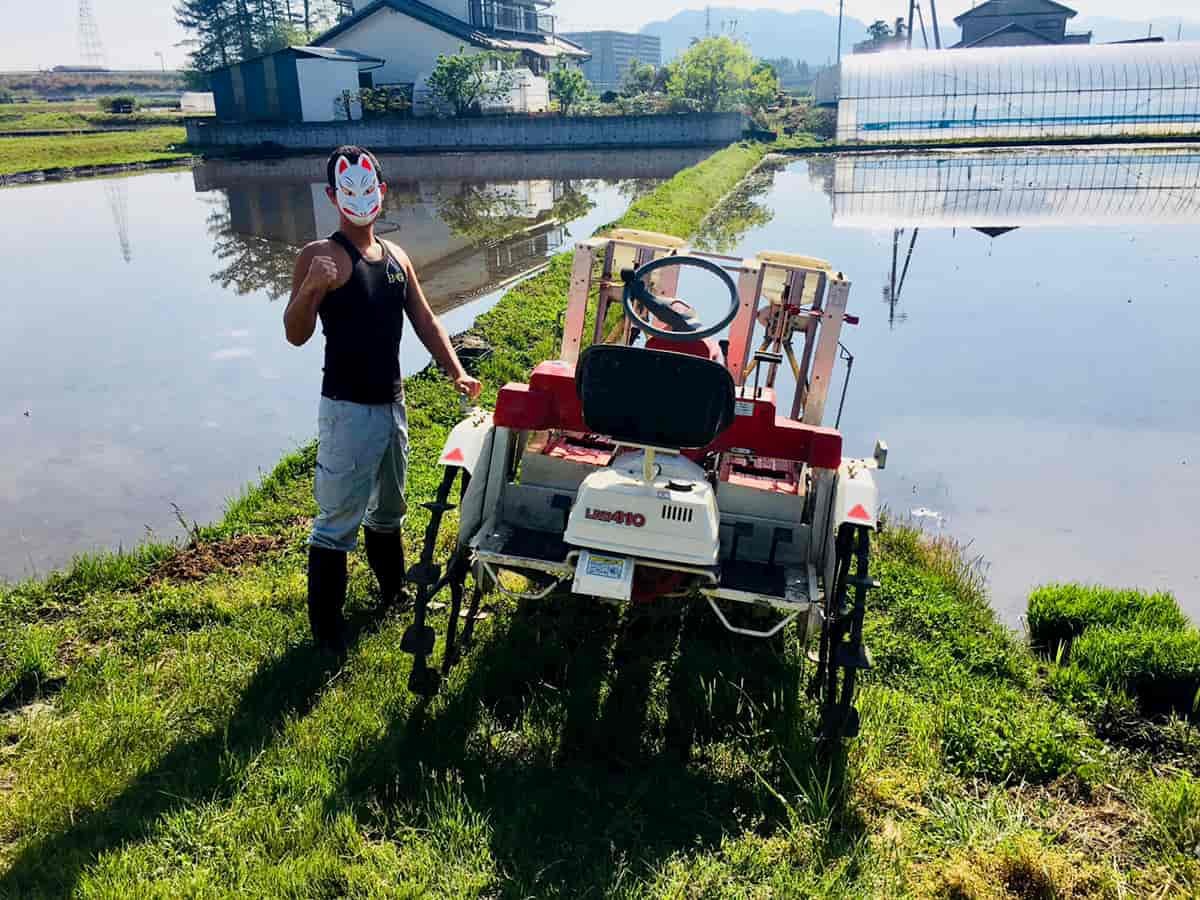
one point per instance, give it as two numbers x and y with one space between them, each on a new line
686 327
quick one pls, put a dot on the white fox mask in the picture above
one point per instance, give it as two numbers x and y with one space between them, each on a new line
358 195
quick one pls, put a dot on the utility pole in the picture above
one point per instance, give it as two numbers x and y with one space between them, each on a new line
937 36
708 21
841 7
912 7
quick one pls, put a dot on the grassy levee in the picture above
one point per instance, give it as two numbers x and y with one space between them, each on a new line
32 154
35 116
168 732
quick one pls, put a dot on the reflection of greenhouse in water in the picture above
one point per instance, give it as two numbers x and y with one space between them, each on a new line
1001 190
1020 92
998 192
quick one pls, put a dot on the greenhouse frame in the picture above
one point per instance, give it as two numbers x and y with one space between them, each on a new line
1020 92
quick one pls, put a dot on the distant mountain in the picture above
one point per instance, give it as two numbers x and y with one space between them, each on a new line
806 35
811 35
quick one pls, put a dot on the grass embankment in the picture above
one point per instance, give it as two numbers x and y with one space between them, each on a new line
76 117
172 734
38 154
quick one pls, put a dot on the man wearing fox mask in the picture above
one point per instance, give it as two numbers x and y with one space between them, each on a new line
361 288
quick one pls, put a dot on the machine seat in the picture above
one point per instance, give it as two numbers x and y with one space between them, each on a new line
654 397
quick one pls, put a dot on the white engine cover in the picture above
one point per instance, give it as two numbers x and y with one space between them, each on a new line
615 510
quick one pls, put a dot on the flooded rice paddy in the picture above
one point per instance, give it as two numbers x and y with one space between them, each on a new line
144 375
1027 346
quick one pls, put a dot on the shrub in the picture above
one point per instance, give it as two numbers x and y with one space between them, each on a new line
1160 666
1058 613
821 122
119 104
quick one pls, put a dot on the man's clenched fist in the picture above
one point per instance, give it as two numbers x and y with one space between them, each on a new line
322 273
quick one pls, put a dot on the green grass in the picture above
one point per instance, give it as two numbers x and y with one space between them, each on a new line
1058 613
181 738
31 154
75 116
1160 666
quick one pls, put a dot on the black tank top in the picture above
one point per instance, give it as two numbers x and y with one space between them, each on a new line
362 322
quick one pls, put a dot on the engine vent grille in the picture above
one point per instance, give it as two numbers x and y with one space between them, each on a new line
673 513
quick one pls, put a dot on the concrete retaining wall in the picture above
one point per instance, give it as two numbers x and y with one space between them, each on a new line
497 165
487 133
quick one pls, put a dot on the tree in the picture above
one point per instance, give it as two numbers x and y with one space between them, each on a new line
879 30
638 79
719 74
762 87
569 86
222 32
465 81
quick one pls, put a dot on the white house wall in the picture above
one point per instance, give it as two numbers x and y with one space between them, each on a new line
408 47
322 83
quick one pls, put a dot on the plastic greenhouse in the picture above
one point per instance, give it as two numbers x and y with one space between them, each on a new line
1020 92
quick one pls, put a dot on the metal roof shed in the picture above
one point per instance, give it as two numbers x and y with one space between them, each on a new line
295 84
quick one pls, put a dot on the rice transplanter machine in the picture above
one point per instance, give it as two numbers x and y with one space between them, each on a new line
653 460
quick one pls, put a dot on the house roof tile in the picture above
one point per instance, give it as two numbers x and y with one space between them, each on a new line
1015 8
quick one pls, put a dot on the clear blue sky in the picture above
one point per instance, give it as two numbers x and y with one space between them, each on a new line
44 34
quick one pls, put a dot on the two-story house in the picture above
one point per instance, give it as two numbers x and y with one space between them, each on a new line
409 35
1013 23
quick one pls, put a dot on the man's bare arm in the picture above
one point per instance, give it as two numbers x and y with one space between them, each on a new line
314 275
432 334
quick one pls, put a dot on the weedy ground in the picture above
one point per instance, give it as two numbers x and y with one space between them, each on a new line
167 731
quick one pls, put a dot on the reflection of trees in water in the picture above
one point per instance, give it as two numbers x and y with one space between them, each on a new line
632 188
821 171
741 211
249 262
486 213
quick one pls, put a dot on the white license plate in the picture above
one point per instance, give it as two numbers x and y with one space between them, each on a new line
603 575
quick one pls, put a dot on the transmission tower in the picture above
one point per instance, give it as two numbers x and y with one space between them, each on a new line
91 50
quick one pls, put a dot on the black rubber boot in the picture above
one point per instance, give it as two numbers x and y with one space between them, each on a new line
385 556
326 597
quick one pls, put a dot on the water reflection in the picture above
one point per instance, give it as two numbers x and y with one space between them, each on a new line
162 379
1039 400
741 210
116 191
995 192
464 238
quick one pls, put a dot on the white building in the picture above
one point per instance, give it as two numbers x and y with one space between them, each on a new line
409 35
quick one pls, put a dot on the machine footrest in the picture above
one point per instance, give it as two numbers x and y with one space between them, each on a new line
853 656
868 583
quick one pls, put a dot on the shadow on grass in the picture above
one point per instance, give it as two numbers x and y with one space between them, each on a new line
202 769
597 744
